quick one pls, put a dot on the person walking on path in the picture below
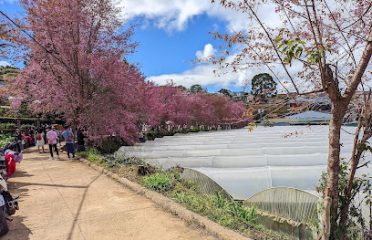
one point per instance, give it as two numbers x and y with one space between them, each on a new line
52 141
40 140
69 140
80 140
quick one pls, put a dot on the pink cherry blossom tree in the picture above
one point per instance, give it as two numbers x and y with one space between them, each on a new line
76 66
169 103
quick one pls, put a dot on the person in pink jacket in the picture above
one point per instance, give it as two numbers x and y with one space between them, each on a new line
52 141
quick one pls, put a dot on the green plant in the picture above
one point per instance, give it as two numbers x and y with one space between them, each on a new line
356 223
219 209
5 139
267 123
7 126
112 162
92 154
26 126
110 145
160 182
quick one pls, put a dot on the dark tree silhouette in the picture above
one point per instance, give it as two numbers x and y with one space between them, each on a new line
263 86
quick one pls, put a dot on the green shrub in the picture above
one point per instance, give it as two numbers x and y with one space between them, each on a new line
150 136
5 139
113 162
218 208
92 154
159 182
26 126
195 129
267 123
7 126
110 145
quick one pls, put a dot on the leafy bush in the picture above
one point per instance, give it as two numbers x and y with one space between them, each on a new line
194 130
159 182
267 123
217 208
5 139
151 136
112 162
110 145
92 155
7 126
357 223
26 126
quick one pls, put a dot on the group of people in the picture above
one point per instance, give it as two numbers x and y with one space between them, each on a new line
52 137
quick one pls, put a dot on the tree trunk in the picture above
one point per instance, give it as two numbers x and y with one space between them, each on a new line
331 191
356 154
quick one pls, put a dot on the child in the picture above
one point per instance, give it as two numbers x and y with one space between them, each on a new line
40 140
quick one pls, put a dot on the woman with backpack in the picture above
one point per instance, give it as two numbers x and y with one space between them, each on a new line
40 140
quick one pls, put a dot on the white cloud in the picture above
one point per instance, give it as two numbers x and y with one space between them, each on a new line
4 63
209 74
207 52
206 74
175 14
167 14
202 74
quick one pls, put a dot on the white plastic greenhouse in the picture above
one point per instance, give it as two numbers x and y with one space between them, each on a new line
248 165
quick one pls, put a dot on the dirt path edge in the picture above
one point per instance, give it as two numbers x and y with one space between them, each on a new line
171 206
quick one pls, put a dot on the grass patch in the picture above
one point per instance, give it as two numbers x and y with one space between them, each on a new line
225 212
92 155
160 182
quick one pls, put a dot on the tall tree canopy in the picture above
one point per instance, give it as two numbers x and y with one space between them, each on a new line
196 88
264 86
76 66
226 92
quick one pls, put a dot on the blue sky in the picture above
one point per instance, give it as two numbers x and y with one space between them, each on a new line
170 34
161 51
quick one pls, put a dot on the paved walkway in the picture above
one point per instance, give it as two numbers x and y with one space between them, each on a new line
66 200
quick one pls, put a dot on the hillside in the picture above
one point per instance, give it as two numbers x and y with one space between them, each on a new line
7 73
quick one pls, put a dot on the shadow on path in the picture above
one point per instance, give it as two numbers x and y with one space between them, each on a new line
17 230
75 223
16 185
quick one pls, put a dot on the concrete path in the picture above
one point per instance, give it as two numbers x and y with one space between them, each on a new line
66 200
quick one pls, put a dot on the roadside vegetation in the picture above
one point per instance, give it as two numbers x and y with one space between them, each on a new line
224 211
5 139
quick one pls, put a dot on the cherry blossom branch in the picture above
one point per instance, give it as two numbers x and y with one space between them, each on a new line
273 44
342 34
38 43
359 72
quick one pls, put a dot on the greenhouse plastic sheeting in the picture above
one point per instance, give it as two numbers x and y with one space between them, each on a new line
242 183
311 115
290 203
245 163
208 186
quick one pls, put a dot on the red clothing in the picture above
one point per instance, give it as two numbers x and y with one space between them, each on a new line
10 164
